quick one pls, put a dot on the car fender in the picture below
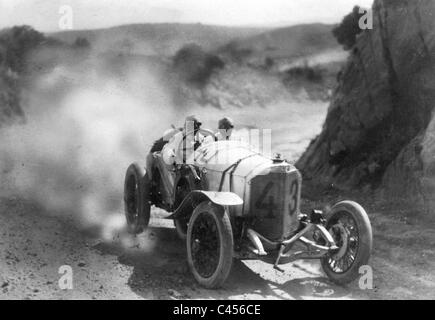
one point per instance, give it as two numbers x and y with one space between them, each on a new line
197 196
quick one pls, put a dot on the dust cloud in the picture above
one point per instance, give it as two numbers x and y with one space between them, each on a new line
84 126
88 117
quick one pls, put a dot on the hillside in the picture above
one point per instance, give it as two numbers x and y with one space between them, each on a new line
294 41
286 44
157 39
380 126
240 84
231 89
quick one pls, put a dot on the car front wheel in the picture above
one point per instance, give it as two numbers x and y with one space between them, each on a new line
210 245
350 228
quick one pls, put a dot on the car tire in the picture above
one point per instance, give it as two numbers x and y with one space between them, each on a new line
350 227
137 205
210 245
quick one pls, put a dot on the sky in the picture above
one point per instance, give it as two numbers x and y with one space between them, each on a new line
44 15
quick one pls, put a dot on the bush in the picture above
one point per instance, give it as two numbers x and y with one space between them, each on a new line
81 43
269 63
305 72
347 31
16 43
236 53
195 65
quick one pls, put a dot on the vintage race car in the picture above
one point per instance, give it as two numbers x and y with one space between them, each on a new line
229 201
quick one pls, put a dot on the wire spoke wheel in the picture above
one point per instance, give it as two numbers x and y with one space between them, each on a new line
350 228
344 231
205 245
210 245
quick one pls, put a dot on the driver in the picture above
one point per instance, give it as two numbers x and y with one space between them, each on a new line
184 142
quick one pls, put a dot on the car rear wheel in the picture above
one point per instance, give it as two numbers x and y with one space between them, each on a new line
350 228
136 199
210 245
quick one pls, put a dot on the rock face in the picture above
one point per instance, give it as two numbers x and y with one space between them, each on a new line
15 44
380 128
10 108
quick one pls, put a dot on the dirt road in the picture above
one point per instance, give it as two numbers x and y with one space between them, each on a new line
153 266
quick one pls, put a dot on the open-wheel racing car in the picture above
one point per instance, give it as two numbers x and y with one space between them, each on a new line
229 201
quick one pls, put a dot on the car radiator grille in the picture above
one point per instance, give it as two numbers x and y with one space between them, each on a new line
274 206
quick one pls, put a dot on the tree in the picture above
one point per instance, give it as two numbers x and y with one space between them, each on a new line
17 43
81 43
347 31
195 65
236 53
269 63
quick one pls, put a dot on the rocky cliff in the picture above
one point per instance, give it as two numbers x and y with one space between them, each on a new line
10 107
15 44
380 128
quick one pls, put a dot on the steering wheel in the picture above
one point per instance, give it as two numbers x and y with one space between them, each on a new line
204 132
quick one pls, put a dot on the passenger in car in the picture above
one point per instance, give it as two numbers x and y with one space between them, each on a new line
225 129
183 143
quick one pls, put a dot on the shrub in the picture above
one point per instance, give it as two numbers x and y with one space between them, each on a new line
236 53
347 31
16 43
269 63
305 72
195 65
81 43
